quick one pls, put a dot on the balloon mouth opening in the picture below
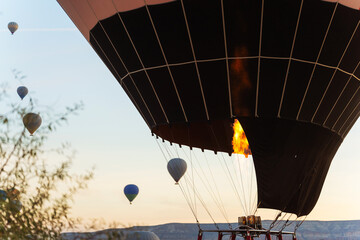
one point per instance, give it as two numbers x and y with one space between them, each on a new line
177 183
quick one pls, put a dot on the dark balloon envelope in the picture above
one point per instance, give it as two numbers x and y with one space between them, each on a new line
131 191
288 70
32 122
22 91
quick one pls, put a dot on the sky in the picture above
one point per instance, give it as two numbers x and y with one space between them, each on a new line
62 69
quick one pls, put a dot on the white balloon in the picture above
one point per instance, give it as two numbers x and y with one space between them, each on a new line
177 168
142 235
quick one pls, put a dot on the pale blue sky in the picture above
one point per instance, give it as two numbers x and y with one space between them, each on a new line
62 68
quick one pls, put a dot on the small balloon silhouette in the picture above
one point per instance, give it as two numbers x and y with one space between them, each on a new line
22 91
177 168
13 26
131 191
3 196
32 122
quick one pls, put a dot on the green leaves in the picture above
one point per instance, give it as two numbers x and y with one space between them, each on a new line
46 191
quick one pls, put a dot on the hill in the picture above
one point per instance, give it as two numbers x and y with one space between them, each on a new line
309 230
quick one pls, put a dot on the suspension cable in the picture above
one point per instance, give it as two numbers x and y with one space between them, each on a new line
275 220
210 190
242 183
192 210
183 192
299 224
231 180
219 196
203 203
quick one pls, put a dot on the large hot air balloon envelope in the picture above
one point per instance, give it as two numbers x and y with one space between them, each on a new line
177 168
287 70
142 235
13 26
22 91
131 191
32 122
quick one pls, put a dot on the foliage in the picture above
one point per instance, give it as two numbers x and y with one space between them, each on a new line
45 189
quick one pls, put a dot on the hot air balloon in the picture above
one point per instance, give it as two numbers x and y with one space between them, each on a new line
3 196
288 71
142 235
13 193
32 122
177 168
13 26
22 91
15 206
131 191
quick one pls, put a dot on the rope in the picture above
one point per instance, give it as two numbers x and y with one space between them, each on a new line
209 189
251 183
287 224
193 179
275 220
299 224
203 204
183 192
218 192
231 179
192 210
242 183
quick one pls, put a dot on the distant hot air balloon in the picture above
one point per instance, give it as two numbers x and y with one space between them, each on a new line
13 26
15 206
13 193
142 235
177 168
32 122
22 91
3 196
131 191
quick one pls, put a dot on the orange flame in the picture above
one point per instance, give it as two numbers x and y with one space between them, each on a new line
240 142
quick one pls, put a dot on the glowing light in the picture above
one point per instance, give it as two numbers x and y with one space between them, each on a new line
240 142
